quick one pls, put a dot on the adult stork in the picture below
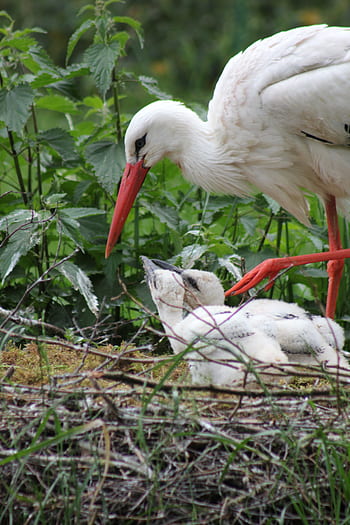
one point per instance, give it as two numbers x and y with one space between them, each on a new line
278 122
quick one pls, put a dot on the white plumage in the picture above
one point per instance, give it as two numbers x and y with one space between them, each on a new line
219 341
279 122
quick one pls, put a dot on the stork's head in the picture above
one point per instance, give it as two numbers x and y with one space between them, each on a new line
158 130
154 133
196 287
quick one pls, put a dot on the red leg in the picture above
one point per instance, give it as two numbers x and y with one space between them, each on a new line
334 268
271 267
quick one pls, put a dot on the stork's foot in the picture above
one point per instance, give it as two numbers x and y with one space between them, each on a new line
267 269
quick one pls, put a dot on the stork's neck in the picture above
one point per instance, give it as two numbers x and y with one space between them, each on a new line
204 157
169 314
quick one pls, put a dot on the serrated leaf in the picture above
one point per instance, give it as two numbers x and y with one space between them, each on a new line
101 58
94 229
74 39
93 102
54 200
70 228
108 161
4 14
57 103
58 77
273 205
16 218
78 213
249 224
15 106
19 244
61 141
166 215
42 58
122 37
132 23
151 85
44 79
19 218
80 282
190 254
69 223
38 61
22 43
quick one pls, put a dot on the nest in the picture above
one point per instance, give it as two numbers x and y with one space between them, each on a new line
126 439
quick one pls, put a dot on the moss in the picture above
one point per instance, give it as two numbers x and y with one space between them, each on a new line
35 364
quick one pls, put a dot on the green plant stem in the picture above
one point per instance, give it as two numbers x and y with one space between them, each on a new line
117 105
17 167
37 150
280 223
261 244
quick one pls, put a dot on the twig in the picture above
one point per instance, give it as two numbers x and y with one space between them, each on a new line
168 387
40 279
31 323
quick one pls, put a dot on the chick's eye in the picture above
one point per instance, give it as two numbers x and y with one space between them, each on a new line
192 283
139 143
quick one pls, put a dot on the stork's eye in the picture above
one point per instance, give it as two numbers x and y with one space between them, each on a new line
139 143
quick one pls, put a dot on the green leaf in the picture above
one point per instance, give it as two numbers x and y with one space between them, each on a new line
37 60
94 229
44 79
57 103
19 244
54 200
108 161
74 39
15 106
69 224
132 23
101 58
70 228
61 141
94 102
273 205
122 37
17 218
4 14
168 216
78 213
249 224
81 282
150 84
55 78
190 254
22 43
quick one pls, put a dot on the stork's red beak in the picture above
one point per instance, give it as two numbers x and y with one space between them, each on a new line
133 177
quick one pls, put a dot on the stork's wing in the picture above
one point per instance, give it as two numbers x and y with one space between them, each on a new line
297 79
307 89
315 104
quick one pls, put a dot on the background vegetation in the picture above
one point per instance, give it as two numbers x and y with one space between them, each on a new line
62 155
70 81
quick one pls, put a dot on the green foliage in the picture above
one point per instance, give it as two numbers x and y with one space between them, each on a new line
61 152
60 161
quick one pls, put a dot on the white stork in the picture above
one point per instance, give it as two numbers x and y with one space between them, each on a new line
278 122
219 342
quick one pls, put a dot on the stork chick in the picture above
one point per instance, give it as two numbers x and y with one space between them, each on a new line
221 342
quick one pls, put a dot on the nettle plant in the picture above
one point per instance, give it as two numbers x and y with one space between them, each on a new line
60 156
